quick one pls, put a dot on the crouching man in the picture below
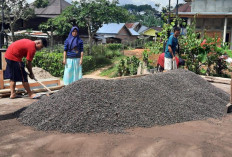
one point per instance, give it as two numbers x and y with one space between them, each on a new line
15 69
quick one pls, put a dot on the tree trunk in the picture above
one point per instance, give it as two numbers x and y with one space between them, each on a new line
90 40
49 36
12 31
52 39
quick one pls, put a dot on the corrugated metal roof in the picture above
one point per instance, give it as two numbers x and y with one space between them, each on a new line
32 33
129 25
184 8
111 28
114 28
133 32
150 32
55 7
132 25
142 29
157 28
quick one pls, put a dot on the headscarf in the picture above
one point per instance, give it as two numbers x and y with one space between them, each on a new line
73 41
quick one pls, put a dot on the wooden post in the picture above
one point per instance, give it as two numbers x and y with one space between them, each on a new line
1 80
3 61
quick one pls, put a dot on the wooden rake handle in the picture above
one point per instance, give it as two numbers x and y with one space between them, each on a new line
43 85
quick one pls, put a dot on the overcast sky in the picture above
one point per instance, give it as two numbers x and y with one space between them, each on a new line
140 2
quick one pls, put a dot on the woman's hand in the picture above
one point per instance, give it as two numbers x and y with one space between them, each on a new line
80 62
64 61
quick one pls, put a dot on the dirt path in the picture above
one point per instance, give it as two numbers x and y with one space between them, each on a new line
96 74
136 52
205 138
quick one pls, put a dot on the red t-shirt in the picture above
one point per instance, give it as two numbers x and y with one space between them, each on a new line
19 49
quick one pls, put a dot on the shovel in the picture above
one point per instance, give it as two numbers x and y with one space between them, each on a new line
49 91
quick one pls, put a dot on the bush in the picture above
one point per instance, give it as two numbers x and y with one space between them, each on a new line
102 61
114 46
52 62
89 63
128 66
109 54
98 50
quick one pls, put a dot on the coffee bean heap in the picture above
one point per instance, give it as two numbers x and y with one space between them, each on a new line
91 105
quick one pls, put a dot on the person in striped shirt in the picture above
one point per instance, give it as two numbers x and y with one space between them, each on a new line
73 57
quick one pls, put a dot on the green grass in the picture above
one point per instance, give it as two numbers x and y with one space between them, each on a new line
116 59
112 70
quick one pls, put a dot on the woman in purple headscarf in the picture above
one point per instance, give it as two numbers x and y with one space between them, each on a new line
73 57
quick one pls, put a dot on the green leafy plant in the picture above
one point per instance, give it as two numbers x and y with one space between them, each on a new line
215 64
52 62
114 46
128 66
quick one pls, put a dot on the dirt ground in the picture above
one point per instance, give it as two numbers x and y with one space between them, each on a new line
139 54
205 138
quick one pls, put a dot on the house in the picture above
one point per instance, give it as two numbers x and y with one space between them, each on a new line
116 33
212 16
152 32
135 26
142 29
54 8
145 32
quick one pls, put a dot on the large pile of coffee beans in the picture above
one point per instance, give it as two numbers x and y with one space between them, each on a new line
91 105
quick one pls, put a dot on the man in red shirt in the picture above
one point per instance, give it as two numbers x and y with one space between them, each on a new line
15 70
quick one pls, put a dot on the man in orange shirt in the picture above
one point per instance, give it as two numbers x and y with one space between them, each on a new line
15 70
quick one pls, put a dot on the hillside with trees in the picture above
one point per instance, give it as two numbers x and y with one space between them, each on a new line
145 14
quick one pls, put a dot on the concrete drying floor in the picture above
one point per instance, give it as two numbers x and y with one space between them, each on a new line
207 138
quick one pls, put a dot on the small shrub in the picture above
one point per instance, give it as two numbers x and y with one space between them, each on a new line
128 66
114 46
109 54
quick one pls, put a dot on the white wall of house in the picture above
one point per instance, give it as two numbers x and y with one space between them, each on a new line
212 6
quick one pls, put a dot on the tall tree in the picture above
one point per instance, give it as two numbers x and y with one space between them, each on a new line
48 26
15 10
91 14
